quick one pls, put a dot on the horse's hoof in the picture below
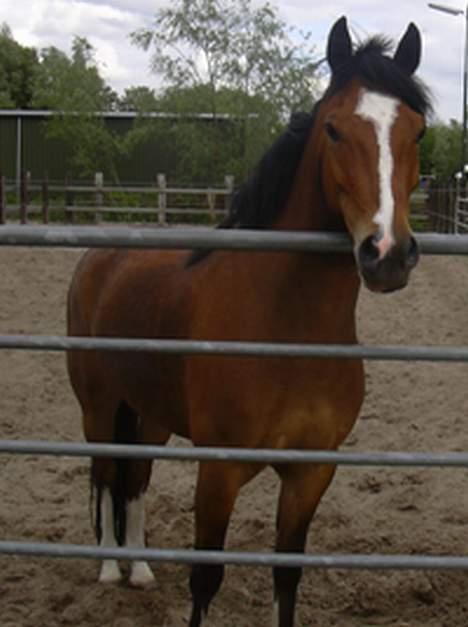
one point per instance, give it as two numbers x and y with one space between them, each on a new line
141 575
110 572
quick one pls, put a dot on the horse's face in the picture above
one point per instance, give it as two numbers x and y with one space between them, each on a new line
371 166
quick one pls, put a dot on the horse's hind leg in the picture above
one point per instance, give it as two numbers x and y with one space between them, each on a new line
302 487
120 515
121 486
138 474
102 475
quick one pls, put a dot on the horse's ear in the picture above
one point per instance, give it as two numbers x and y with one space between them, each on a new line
408 53
339 48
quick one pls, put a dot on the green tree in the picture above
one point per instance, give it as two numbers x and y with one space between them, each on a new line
228 58
18 65
222 43
73 87
140 98
441 150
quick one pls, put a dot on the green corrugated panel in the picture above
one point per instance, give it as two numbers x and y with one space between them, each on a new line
166 149
8 147
42 155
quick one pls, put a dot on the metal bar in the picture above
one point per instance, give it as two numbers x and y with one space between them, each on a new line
19 157
262 559
205 453
238 349
124 237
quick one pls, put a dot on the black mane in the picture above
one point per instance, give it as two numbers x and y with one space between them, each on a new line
258 202
372 65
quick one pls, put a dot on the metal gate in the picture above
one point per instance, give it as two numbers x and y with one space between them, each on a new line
233 240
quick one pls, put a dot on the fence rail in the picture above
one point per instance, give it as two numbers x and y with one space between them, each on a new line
164 200
238 349
203 238
265 456
186 556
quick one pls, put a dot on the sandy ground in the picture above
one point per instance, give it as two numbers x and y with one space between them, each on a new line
409 406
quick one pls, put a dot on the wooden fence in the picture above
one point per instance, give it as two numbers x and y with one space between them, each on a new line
434 209
159 201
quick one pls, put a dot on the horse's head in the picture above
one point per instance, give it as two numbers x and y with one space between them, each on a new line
371 120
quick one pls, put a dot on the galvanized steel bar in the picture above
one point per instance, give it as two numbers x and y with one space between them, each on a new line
181 556
180 238
242 349
266 456
200 238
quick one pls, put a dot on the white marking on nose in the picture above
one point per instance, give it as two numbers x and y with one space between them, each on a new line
382 111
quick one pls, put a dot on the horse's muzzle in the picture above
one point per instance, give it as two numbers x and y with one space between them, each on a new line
390 272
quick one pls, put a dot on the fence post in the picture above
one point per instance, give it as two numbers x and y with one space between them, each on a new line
229 182
3 201
25 178
45 199
69 214
162 199
211 196
99 183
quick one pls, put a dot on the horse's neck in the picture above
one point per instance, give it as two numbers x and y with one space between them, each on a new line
317 286
307 208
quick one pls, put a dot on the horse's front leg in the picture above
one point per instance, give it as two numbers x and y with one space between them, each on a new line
217 488
302 487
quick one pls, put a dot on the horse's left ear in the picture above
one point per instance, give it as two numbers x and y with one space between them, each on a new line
408 53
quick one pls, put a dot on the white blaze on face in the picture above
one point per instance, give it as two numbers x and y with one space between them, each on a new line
382 112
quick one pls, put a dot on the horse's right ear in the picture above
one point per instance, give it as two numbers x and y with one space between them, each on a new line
340 47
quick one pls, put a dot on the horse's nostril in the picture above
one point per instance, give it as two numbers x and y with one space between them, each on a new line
368 252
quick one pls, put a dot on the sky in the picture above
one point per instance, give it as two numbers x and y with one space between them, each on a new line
108 23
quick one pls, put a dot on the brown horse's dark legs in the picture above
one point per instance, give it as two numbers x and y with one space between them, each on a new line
301 491
217 489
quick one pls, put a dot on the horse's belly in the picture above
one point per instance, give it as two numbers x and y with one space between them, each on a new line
274 403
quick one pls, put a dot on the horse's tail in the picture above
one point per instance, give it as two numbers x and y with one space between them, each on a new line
125 432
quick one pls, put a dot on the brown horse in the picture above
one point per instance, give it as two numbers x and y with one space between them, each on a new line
349 166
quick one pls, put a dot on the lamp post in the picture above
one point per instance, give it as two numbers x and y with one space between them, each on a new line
452 11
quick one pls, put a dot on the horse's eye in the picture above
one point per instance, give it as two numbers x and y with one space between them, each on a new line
332 133
420 135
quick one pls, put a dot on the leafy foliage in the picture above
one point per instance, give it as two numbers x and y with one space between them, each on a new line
18 66
241 64
233 45
441 150
73 87
140 98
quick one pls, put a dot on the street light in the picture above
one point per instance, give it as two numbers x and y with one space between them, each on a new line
453 11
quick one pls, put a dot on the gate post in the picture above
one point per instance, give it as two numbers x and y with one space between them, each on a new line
45 199
229 182
3 202
99 183
25 178
162 199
